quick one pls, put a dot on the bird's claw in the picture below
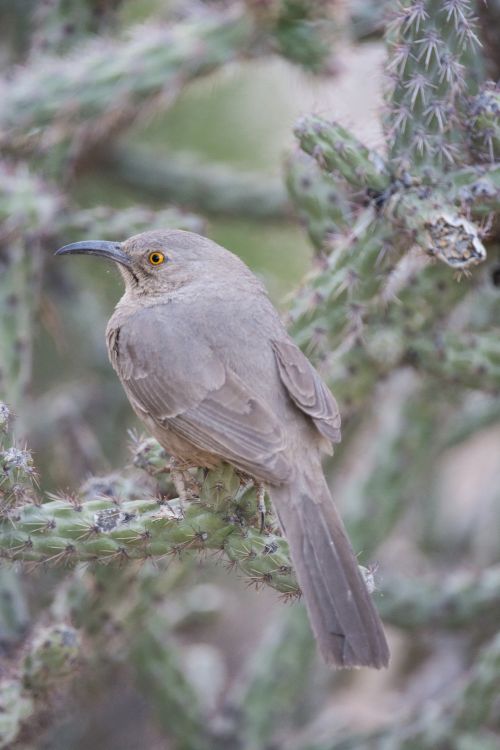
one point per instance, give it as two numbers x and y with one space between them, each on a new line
261 504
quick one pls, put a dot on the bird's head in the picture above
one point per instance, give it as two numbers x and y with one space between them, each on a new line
161 261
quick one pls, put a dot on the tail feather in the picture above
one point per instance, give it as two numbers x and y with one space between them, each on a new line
343 617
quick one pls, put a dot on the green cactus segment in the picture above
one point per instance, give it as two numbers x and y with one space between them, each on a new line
438 229
465 716
338 151
320 198
52 656
429 46
331 303
480 695
397 467
484 124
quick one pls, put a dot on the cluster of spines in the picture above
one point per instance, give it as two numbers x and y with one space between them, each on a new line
113 520
430 72
17 471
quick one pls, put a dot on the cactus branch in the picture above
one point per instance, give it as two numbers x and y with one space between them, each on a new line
338 151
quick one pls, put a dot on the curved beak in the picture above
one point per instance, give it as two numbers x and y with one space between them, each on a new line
109 250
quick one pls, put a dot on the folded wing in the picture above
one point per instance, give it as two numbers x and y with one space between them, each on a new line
189 389
307 390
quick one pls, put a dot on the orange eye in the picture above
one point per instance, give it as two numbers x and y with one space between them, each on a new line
156 258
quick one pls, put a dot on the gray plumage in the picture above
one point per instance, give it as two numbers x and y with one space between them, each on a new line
209 368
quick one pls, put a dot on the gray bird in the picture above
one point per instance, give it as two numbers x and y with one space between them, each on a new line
209 368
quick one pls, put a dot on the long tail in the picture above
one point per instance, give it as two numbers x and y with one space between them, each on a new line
344 620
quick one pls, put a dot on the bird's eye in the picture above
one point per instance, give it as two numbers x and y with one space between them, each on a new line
156 258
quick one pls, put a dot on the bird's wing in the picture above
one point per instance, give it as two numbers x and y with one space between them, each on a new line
306 389
173 374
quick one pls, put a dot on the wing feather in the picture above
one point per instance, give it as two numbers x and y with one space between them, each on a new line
306 389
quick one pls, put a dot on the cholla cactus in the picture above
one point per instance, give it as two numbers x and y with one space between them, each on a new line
365 293
431 67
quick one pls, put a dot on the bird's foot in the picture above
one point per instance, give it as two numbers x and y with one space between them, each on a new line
261 503
185 485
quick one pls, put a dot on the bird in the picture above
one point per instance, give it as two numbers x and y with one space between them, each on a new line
209 368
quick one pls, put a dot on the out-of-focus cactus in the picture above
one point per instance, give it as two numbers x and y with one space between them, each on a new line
271 694
159 673
301 30
15 708
105 84
51 656
212 189
27 209
489 22
14 614
484 124
59 24
465 717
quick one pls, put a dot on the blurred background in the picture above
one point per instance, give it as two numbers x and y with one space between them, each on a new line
118 116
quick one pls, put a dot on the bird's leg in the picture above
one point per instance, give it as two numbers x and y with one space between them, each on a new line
261 504
185 484
178 478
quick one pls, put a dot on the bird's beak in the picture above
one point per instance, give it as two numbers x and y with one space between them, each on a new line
110 250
